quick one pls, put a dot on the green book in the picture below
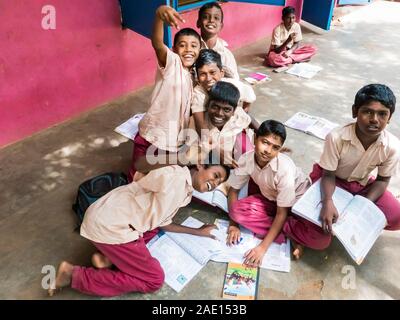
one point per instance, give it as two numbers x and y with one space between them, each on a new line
241 282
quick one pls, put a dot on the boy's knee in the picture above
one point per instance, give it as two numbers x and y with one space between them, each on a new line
156 280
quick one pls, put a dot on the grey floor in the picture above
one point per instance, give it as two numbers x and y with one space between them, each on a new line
40 175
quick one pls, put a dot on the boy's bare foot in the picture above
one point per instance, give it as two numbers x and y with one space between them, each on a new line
100 261
298 250
63 278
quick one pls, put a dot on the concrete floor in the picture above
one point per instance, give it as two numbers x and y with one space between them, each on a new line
40 175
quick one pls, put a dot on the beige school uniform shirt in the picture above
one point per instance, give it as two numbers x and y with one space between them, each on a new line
169 111
200 95
223 139
344 154
280 35
146 204
228 60
280 180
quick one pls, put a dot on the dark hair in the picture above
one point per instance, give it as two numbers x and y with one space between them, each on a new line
272 127
208 56
211 161
375 92
224 92
209 6
288 10
186 32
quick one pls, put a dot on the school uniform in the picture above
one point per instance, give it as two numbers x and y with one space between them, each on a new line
163 124
281 184
353 166
279 36
201 98
121 223
232 137
227 58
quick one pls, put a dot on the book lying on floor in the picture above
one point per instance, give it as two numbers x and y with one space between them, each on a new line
241 283
304 70
257 77
130 127
359 224
181 255
276 258
219 197
318 127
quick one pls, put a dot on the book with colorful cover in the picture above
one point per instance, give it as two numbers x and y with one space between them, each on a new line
257 77
241 282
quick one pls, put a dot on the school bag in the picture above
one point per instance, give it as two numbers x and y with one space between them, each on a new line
94 188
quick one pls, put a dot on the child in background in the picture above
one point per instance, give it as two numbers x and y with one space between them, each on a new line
285 45
210 22
121 223
209 71
169 112
267 212
352 152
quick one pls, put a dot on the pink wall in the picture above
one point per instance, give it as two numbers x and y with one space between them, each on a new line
49 76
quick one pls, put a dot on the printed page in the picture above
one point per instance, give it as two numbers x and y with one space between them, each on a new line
301 121
309 205
321 128
130 128
359 226
206 197
200 248
277 257
304 70
179 267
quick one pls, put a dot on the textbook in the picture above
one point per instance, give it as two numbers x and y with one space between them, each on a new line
359 224
316 126
219 196
304 70
241 282
257 77
182 255
130 127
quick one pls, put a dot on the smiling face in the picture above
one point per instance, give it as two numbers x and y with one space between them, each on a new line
219 113
267 148
372 119
205 180
187 48
209 74
288 20
210 22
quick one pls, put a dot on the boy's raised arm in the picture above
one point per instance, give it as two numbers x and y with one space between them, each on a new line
171 17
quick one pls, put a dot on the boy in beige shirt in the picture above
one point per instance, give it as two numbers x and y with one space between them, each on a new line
210 22
352 152
121 223
162 126
285 44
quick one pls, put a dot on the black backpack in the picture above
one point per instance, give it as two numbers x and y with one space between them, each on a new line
94 188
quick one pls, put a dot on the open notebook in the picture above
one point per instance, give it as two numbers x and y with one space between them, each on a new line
359 224
182 256
316 126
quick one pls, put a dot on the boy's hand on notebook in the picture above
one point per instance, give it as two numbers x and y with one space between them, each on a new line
170 16
233 235
205 231
328 215
254 257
